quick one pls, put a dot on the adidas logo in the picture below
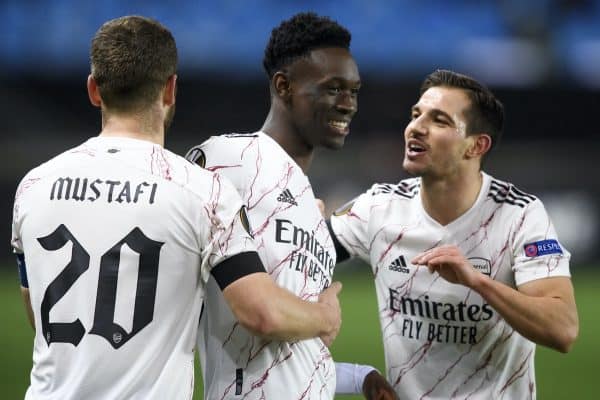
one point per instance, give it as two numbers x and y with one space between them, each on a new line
287 197
399 265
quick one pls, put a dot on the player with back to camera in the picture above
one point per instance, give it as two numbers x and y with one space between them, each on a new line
116 238
468 269
314 84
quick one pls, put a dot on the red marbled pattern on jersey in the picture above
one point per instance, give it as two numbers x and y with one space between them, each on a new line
216 168
160 163
483 227
261 171
412 360
25 184
420 312
23 187
321 364
84 149
521 371
284 354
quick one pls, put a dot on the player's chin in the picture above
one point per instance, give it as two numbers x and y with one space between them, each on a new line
412 168
334 142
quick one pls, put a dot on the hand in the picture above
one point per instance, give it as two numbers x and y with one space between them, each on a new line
321 206
376 387
451 264
329 298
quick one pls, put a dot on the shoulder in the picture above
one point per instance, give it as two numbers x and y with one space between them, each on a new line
197 181
507 194
222 147
405 189
186 170
48 168
381 196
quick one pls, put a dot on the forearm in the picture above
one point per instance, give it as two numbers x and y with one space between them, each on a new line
27 303
25 288
549 320
291 318
267 310
541 310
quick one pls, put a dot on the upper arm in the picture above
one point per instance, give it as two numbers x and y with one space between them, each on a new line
248 292
565 313
559 287
249 298
227 234
28 308
232 158
541 262
349 225
537 252
246 288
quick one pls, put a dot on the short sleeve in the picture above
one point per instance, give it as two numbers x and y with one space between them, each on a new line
229 232
225 156
350 224
16 241
536 249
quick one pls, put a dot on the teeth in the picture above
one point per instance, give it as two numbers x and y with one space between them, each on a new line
339 124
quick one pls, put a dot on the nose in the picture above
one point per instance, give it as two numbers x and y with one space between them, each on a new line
416 128
347 103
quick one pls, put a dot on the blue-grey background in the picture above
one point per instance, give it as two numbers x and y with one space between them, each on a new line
541 57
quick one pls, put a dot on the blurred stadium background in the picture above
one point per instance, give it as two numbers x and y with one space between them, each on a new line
541 57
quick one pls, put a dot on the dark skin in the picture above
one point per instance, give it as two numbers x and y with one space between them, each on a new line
376 387
313 101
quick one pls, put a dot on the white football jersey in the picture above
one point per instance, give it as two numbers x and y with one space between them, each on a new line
119 237
443 340
294 244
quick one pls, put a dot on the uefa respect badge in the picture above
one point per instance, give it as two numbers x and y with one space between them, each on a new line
542 248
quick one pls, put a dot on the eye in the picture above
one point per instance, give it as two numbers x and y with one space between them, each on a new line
355 91
334 90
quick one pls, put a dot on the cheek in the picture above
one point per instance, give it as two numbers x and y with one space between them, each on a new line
407 131
449 147
302 111
461 128
308 106
321 105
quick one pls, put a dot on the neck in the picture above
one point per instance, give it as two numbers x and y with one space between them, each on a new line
136 126
447 199
283 132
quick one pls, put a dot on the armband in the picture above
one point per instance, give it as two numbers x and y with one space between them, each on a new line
22 270
236 267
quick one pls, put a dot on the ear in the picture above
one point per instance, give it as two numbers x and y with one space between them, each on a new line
281 85
93 91
170 91
481 144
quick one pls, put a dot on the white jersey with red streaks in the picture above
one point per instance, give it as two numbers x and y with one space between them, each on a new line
441 340
119 237
294 244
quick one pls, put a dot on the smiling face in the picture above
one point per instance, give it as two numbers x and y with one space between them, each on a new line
436 136
323 97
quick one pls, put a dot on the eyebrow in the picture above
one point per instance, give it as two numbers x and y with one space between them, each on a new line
342 80
435 112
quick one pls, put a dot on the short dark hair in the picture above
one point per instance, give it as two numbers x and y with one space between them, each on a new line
131 59
298 36
486 114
